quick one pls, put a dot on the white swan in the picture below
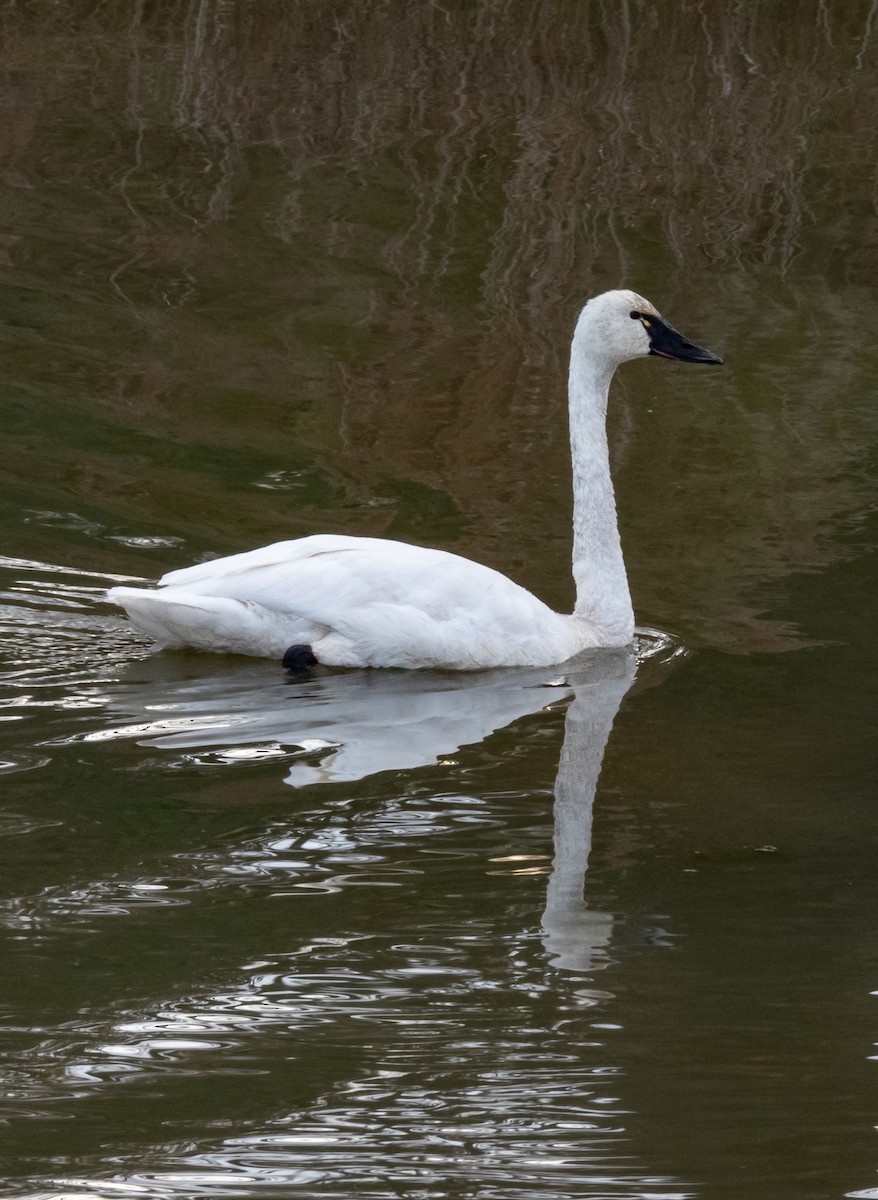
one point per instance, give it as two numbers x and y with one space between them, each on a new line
367 602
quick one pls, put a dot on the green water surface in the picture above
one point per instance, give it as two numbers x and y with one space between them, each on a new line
268 269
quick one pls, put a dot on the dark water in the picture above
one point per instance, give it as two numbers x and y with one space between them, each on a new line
273 269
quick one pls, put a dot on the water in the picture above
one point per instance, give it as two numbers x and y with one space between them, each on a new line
591 932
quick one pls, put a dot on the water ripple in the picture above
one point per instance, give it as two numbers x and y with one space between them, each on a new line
438 1100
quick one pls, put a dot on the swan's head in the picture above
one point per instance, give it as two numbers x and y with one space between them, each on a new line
620 325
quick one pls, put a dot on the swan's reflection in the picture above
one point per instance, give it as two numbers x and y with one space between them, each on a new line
342 727
335 727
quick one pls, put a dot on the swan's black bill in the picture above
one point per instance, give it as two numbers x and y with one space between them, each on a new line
666 342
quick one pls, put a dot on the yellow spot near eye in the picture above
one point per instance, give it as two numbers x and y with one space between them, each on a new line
645 322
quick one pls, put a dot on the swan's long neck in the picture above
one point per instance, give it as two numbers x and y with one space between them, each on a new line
602 595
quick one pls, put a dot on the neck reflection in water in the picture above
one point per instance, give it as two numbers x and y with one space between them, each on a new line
575 936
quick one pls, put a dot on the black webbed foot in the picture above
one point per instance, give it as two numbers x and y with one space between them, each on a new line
298 658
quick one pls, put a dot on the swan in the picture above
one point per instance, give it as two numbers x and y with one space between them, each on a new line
370 602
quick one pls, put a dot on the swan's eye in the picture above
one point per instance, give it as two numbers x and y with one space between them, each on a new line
642 318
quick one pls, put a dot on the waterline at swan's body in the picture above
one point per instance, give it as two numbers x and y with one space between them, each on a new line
360 602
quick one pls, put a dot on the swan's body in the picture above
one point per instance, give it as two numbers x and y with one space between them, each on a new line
360 602
357 602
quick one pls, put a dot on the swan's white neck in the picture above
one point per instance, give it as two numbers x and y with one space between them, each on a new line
602 596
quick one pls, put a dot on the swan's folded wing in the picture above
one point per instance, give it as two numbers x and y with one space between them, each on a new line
343 575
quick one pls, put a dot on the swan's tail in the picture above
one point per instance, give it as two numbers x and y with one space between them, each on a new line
176 619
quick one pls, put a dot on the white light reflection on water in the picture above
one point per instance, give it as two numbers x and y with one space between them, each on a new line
441 1109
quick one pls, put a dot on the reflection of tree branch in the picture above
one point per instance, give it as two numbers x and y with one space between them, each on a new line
591 145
